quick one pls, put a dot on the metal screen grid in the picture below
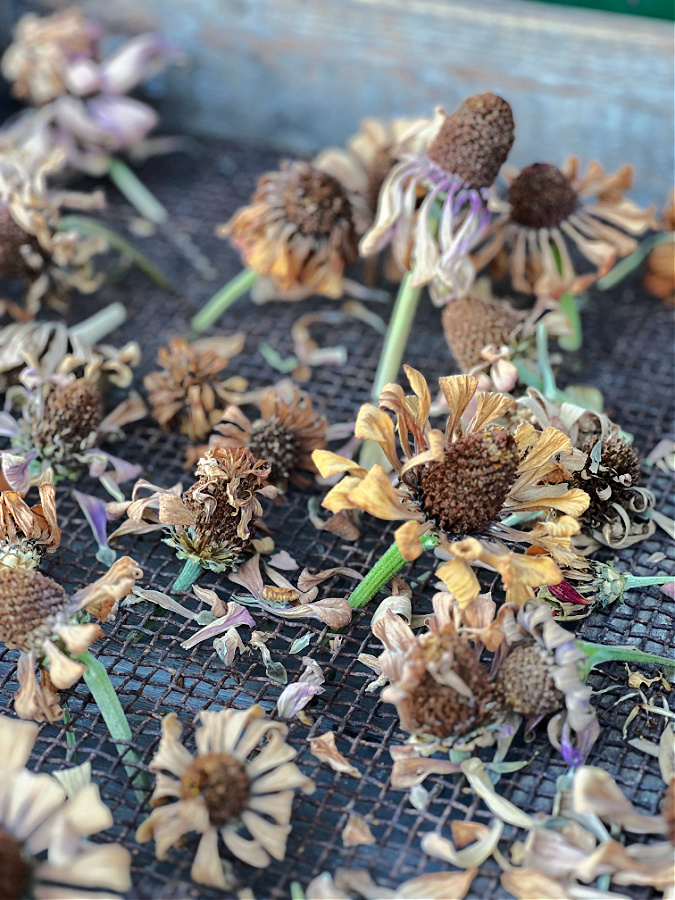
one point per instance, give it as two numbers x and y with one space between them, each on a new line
626 354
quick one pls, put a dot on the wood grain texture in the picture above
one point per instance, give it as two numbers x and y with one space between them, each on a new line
300 74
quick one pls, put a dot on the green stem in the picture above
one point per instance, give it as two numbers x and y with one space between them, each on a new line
396 338
128 183
635 581
383 571
108 702
296 891
568 304
189 574
626 266
600 653
221 301
548 378
71 740
96 327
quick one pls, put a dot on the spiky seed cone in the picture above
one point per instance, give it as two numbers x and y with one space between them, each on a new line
71 412
617 475
525 682
471 324
223 783
317 204
541 197
475 140
28 601
466 490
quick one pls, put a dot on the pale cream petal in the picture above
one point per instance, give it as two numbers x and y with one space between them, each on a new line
472 855
409 771
78 638
330 464
501 807
167 824
324 748
63 670
460 580
207 867
276 753
255 732
278 806
272 837
374 424
99 865
525 884
249 851
284 778
34 799
85 814
437 886
171 755
356 832
595 791
16 742
458 391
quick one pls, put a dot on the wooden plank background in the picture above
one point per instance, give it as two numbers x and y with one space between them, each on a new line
300 74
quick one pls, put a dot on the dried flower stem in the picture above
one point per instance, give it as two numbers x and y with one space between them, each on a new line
548 378
136 192
600 653
383 571
189 574
96 327
626 265
108 702
635 581
222 300
568 304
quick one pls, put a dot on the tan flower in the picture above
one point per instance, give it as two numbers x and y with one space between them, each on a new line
213 521
285 434
52 261
659 277
463 481
27 533
299 231
549 209
223 791
44 822
39 619
188 391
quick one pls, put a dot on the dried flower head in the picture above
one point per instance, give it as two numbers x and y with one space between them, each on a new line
188 391
53 262
58 432
223 791
619 511
659 277
450 161
44 822
40 620
299 231
27 533
547 210
285 434
462 481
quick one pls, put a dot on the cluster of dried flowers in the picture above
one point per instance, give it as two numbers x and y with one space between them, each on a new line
524 485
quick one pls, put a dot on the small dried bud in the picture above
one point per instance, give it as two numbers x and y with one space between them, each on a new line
28 602
316 203
475 140
471 324
223 783
525 682
541 197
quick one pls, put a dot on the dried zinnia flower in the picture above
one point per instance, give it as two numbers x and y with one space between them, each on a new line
51 261
59 431
451 161
223 791
39 619
28 533
188 390
44 822
550 209
285 434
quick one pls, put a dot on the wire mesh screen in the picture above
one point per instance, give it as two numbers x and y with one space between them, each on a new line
627 353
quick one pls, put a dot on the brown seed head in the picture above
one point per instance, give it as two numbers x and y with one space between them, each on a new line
317 204
617 475
71 413
471 324
525 682
28 601
223 783
280 447
14 870
541 197
12 239
465 491
475 140
438 709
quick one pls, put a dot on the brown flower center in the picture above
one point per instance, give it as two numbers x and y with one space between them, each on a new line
466 490
280 447
317 204
28 600
223 783
541 197
471 324
611 480
12 239
14 870
71 413
525 682
475 140
439 709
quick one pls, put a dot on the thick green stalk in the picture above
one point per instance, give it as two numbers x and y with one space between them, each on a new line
189 574
569 305
600 653
548 378
108 702
128 183
383 571
221 301
635 581
96 327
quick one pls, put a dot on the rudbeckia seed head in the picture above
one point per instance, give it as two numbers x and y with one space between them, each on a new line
28 601
14 870
612 480
271 441
12 239
223 783
71 412
475 140
471 324
541 197
525 682
316 204
465 491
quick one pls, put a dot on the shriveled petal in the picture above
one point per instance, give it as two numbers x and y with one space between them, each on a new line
63 670
474 770
207 866
330 464
98 866
458 391
460 580
472 855
16 742
249 851
408 539
325 749
376 495
595 791
489 407
437 886
171 754
271 836
374 424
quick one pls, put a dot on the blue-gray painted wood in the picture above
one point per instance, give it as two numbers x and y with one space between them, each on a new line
300 74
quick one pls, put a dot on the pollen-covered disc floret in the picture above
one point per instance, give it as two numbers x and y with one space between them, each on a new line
223 783
273 442
525 682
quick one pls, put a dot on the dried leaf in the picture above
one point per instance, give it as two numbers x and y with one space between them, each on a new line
324 748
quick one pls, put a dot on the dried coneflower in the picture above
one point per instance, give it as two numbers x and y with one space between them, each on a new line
44 824
28 533
213 522
224 792
285 434
188 391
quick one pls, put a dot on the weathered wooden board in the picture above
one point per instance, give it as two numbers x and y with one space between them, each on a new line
299 74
